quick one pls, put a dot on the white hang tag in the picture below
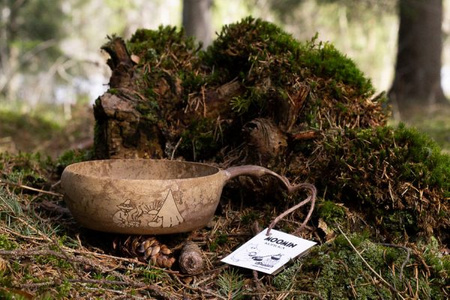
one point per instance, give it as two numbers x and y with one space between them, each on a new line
268 254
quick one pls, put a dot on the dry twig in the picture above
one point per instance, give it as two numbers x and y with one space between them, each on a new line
369 266
25 187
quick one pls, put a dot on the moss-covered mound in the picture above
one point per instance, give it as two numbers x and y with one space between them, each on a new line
199 100
396 177
258 96
280 75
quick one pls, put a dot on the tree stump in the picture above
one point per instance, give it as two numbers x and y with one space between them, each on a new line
122 131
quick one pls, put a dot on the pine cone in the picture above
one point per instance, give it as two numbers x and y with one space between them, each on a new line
145 249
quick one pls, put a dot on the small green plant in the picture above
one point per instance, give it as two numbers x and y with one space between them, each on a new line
230 284
10 295
64 289
10 205
249 217
240 104
152 275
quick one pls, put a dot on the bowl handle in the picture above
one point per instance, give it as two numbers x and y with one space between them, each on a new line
258 171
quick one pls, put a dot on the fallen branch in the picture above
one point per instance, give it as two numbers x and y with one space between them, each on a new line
137 284
125 259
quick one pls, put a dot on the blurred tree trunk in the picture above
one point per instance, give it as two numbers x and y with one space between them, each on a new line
8 54
29 35
197 20
417 81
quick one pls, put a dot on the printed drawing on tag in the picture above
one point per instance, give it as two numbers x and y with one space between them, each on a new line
157 214
268 261
251 254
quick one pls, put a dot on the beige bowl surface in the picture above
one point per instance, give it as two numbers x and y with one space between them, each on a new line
142 196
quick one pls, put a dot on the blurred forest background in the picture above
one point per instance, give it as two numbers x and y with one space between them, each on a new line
52 69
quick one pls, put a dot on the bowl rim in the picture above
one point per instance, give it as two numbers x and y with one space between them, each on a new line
69 169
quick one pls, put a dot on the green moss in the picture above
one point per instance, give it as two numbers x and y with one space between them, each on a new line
253 46
271 67
331 212
249 217
152 275
259 54
11 295
64 289
169 71
423 158
7 243
151 45
59 263
243 48
149 110
334 270
112 91
200 139
439 264
397 177
71 157
324 60
220 240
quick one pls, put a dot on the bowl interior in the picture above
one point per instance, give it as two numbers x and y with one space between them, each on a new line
141 169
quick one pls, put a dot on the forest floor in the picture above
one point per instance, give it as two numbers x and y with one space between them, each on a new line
44 254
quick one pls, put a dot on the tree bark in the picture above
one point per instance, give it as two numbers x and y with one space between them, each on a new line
197 20
121 130
417 81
